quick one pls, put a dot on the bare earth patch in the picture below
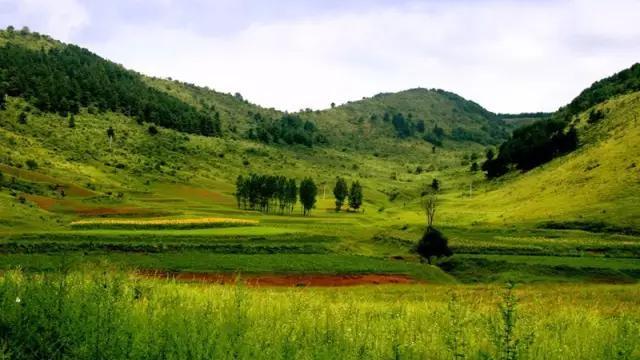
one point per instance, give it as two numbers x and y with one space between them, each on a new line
281 280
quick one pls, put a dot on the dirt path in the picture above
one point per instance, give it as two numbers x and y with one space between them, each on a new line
282 280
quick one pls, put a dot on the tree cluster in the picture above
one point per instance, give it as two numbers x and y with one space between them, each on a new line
288 129
531 146
63 79
405 127
266 193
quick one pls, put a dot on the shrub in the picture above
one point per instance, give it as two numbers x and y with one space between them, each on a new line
32 164
433 245
22 118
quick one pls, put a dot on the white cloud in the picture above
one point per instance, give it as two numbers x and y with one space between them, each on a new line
509 56
60 18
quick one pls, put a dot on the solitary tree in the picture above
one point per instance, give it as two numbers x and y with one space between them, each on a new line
433 244
72 121
340 192
308 192
355 196
429 205
111 134
435 185
333 105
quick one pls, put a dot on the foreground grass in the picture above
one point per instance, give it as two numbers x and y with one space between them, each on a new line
105 315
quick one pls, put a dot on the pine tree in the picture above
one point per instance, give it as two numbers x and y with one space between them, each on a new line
340 192
308 192
355 196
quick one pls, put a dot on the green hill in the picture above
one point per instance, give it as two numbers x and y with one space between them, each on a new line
599 182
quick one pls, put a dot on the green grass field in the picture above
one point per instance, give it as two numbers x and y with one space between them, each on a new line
93 315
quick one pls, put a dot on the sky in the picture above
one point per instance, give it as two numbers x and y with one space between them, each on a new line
509 56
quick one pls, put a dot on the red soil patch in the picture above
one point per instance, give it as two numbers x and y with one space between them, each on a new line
69 189
283 280
43 202
73 190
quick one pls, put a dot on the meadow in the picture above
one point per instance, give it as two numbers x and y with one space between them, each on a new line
96 314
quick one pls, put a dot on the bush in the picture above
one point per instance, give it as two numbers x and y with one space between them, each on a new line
153 130
32 164
433 245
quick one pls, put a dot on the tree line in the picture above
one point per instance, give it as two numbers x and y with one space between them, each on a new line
275 194
65 78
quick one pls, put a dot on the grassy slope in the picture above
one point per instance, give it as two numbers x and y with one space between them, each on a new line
598 182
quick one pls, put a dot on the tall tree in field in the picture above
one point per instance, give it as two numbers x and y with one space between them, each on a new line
433 243
292 194
111 134
340 192
308 192
429 205
355 196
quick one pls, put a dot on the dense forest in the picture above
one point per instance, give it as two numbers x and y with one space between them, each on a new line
288 129
64 79
531 146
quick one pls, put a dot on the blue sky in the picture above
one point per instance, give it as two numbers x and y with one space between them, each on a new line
509 56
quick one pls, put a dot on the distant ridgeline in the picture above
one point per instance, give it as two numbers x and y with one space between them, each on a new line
543 140
64 78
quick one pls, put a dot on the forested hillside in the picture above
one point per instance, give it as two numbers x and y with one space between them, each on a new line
624 82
